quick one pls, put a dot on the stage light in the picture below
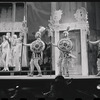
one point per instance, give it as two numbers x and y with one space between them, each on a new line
98 86
17 86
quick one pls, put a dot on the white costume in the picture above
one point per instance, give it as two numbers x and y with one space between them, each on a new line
13 45
17 53
5 53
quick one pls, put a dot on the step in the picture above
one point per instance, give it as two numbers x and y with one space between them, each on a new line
47 72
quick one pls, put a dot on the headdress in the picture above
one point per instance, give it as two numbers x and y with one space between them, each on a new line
38 33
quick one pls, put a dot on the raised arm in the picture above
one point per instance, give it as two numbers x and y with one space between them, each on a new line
94 42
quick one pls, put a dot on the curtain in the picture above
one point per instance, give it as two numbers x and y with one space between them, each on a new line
38 14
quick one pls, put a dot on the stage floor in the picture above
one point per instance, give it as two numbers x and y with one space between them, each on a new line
35 77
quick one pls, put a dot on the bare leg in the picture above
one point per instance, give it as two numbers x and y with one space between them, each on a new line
37 66
65 64
31 67
8 58
60 65
4 61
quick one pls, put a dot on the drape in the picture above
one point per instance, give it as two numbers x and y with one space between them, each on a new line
38 14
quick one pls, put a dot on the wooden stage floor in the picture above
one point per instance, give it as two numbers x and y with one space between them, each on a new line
35 77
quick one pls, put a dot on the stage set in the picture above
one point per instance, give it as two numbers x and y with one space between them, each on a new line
34 66
67 49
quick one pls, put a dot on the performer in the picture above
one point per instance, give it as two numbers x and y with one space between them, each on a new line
37 48
8 38
17 52
5 52
98 56
13 45
65 58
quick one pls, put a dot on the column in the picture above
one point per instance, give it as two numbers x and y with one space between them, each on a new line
25 55
84 54
56 52
53 8
13 16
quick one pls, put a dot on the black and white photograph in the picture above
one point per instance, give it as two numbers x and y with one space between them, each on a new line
49 50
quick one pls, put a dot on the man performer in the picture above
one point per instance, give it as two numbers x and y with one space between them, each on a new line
98 56
37 48
65 57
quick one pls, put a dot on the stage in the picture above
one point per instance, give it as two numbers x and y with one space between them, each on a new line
46 77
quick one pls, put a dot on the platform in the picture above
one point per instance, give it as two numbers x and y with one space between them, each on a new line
47 77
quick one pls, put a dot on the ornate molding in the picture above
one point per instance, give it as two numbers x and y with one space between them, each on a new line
57 16
54 19
10 26
80 16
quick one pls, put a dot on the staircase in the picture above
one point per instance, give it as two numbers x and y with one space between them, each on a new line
25 71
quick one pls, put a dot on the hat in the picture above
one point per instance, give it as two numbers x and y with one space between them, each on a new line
41 29
38 35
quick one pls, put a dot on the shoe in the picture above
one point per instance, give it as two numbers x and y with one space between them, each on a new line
5 69
67 74
39 75
30 75
98 74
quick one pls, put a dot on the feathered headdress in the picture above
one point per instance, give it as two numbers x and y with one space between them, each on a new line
38 33
66 33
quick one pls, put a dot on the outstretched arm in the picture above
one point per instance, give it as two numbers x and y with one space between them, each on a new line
94 42
71 55
54 44
26 44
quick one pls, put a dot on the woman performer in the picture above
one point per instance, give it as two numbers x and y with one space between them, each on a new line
13 45
17 52
5 53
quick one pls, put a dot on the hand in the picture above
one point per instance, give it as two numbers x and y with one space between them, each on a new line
23 44
88 40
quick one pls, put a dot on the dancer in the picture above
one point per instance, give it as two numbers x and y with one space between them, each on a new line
98 56
5 52
65 58
8 38
17 52
13 45
37 48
